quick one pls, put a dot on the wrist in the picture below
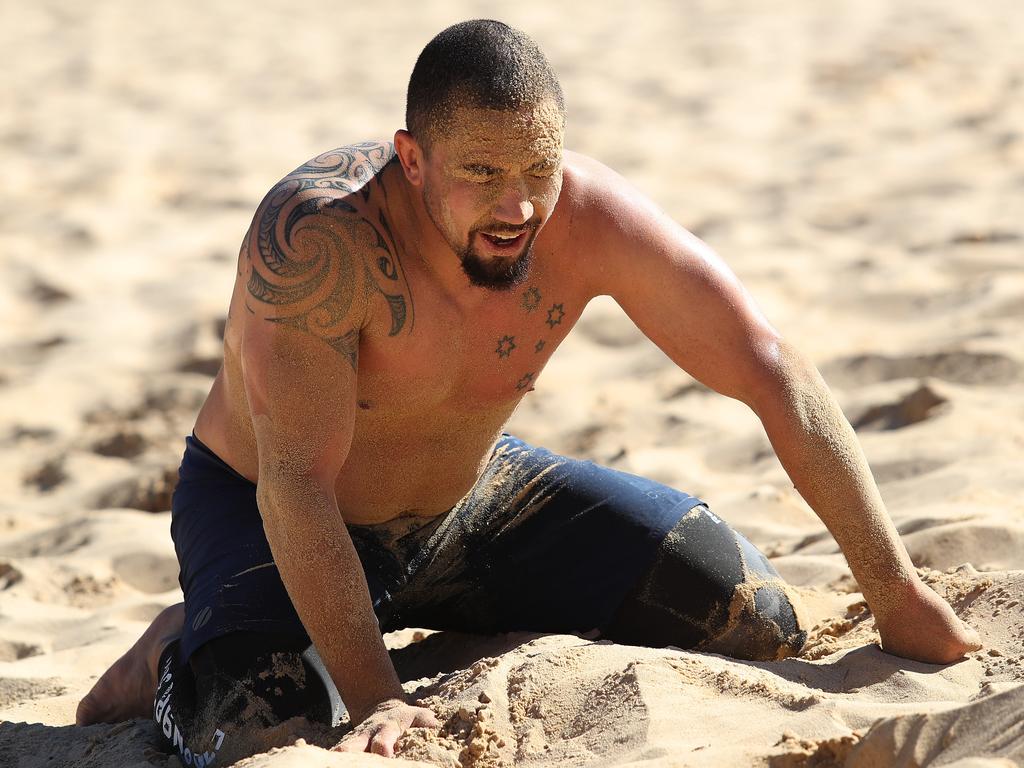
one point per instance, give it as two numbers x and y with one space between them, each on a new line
890 600
361 713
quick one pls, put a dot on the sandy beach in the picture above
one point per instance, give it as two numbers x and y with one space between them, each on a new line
859 165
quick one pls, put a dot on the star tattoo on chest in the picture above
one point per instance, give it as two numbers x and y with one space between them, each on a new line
531 299
525 381
505 346
555 315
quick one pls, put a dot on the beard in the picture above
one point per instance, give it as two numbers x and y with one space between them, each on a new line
496 273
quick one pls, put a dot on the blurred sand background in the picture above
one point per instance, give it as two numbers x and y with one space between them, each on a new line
860 165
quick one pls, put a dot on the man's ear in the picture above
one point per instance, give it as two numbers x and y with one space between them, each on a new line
410 155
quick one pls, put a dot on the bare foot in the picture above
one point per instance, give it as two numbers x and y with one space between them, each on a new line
126 690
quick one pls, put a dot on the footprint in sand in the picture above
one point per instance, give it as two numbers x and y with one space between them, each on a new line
916 406
32 353
13 650
59 540
205 344
47 475
86 591
916 524
739 455
171 402
168 402
905 469
19 689
971 541
124 444
958 366
151 493
20 432
9 575
45 293
147 572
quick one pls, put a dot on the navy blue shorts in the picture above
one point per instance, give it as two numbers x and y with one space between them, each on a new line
542 542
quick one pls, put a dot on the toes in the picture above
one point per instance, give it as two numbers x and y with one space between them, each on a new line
83 715
90 710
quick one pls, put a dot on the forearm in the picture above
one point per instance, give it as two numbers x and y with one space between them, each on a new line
818 448
324 578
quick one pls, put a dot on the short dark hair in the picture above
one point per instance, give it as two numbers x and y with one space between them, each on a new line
480 63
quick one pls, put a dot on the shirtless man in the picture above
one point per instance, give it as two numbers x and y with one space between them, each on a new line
348 473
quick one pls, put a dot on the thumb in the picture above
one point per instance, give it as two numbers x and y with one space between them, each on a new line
971 638
425 719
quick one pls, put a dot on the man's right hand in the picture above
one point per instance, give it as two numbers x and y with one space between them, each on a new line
386 722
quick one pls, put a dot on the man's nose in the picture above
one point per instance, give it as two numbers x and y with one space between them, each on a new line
514 206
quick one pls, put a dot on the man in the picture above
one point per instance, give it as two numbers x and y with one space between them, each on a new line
348 473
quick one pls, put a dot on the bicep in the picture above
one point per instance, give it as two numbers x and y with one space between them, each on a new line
684 297
301 396
300 341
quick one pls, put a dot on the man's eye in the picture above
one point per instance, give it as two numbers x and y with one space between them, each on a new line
481 171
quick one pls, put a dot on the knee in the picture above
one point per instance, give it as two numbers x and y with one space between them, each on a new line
765 622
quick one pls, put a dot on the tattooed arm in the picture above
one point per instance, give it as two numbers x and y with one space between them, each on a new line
309 289
686 300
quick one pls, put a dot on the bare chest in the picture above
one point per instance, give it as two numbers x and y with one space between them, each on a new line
468 362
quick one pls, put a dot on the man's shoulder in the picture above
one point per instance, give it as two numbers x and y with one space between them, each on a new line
320 244
594 189
333 204
354 164
602 205
338 172
583 174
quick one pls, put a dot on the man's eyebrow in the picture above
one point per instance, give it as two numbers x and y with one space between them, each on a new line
478 167
543 163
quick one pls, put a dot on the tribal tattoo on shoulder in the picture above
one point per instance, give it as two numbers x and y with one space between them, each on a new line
320 236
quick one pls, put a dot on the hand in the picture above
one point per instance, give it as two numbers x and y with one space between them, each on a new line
379 730
924 628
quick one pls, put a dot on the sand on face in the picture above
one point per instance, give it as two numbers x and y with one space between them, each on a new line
857 164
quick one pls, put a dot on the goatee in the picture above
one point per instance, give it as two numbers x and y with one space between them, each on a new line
496 274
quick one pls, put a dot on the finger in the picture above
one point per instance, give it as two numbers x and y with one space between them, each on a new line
354 742
974 642
425 719
383 742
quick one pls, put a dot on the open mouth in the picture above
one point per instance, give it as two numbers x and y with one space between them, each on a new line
504 242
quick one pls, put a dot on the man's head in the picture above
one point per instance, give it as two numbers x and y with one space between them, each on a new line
485 117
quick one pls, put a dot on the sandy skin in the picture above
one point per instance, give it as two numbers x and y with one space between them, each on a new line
452 385
126 690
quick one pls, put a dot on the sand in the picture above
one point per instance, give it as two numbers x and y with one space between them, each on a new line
860 165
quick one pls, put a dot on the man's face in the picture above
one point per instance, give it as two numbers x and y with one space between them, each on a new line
491 181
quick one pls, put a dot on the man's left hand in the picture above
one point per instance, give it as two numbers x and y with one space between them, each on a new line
921 626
